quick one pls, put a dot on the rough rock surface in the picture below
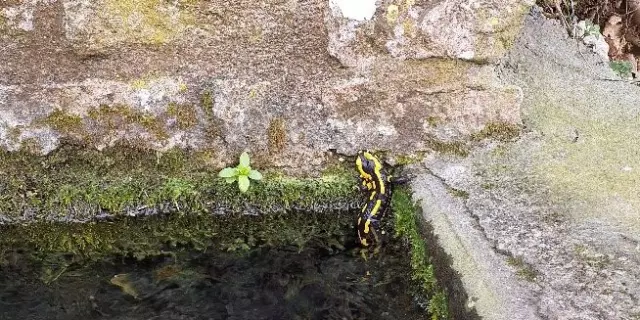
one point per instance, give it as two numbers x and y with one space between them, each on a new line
288 80
547 227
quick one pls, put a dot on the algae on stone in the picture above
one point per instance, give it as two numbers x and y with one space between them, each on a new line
277 133
407 226
87 182
186 116
144 237
498 131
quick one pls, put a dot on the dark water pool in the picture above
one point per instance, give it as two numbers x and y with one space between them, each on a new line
266 283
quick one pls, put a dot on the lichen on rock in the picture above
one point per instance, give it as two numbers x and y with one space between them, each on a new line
111 22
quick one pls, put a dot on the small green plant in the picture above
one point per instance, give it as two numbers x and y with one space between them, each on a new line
591 29
621 68
241 173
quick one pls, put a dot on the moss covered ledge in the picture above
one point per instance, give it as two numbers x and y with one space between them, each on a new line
123 195
78 184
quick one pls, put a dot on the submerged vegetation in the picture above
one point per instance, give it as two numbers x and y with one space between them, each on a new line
145 237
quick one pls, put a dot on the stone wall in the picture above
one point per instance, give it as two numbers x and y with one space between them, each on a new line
548 226
287 80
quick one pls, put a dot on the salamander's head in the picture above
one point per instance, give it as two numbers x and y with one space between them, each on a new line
364 164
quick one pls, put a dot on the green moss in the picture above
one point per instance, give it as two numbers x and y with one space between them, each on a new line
114 117
77 183
335 167
498 131
409 159
63 122
3 23
407 226
277 134
214 126
524 271
183 88
121 177
108 118
13 133
206 103
456 148
186 115
458 193
31 145
438 306
139 84
433 121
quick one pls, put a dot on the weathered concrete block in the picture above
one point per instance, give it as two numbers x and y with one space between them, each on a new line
232 76
464 30
417 30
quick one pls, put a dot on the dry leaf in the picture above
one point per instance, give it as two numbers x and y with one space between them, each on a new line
613 35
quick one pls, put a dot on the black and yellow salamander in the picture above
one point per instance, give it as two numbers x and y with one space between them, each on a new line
378 184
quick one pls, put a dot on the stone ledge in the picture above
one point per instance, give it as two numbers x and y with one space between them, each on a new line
75 184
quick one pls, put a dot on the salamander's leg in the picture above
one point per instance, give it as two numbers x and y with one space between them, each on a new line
366 185
399 179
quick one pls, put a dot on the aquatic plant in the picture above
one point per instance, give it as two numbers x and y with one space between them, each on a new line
241 173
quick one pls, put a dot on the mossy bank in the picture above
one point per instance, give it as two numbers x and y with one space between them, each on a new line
409 227
88 205
44 198
74 183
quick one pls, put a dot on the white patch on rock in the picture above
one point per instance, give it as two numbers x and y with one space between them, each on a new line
387 130
21 16
467 55
355 9
597 45
26 23
155 91
342 33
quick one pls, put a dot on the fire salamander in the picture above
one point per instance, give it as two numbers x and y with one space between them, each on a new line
378 184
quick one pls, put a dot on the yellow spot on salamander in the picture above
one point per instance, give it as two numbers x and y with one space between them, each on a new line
377 170
376 208
363 174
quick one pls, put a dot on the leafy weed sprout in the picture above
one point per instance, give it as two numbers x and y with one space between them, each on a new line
241 173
